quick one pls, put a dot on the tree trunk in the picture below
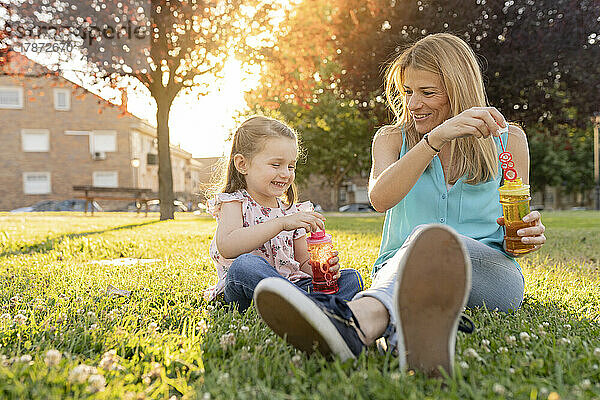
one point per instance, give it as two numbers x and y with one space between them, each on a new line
336 191
165 174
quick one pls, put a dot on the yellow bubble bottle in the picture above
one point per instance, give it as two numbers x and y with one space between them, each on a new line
514 197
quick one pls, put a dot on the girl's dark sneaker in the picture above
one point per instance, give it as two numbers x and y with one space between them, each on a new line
434 281
308 322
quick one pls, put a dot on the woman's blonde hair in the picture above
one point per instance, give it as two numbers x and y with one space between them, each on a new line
248 140
454 61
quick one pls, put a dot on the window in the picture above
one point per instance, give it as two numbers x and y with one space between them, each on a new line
36 182
136 144
11 97
35 140
105 179
103 141
77 133
62 99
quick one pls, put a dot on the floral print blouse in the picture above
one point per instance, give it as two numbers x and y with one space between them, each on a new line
278 251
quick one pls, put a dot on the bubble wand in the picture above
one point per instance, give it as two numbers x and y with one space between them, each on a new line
506 162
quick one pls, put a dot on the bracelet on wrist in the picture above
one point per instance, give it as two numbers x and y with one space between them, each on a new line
426 137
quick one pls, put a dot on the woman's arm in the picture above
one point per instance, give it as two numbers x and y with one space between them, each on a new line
392 178
518 147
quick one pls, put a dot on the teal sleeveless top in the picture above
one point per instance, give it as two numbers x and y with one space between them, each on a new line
471 210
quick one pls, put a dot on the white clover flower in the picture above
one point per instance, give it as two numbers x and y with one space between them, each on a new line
52 357
268 341
231 326
567 326
597 351
524 336
152 328
485 342
20 319
227 340
564 341
511 340
206 396
464 365
113 314
97 383
502 349
25 358
244 328
296 360
110 361
544 391
499 389
80 373
93 327
210 307
202 326
471 353
511 370
91 314
6 316
585 384
155 369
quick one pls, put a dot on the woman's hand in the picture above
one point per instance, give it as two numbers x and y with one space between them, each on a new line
310 220
531 234
480 122
334 266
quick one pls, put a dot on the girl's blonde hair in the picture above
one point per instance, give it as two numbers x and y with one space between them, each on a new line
248 140
454 61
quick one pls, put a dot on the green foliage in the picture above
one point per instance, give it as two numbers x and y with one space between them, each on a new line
335 135
168 342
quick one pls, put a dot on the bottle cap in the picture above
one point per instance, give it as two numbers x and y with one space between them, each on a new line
318 237
514 188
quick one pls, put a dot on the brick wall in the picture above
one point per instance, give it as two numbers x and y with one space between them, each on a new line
69 159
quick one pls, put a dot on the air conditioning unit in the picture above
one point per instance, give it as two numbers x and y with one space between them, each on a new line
98 155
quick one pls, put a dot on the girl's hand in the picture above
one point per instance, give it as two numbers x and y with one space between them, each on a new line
480 122
531 234
334 266
310 220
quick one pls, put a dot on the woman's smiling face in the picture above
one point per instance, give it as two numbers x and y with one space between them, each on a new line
426 99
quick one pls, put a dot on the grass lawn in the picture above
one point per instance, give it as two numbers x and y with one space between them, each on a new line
164 341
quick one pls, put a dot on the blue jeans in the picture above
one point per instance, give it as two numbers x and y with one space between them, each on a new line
249 269
496 281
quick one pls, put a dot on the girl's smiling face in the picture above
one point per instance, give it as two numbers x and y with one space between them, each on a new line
426 99
271 171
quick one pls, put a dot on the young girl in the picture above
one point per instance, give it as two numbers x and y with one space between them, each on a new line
259 235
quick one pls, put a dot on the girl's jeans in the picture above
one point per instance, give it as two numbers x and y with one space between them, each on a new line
496 281
248 269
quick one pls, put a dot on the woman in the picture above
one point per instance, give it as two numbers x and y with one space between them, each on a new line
436 175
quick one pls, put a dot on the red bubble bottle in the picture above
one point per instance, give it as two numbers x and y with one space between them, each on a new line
321 250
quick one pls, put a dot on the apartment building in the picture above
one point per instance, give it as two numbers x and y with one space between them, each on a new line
56 134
